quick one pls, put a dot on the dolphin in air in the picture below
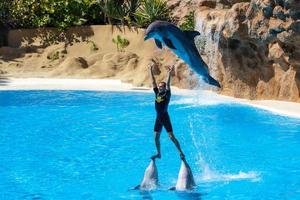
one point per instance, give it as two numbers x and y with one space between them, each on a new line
182 44
185 179
150 179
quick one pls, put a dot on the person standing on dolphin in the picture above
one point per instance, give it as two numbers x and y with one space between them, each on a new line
162 99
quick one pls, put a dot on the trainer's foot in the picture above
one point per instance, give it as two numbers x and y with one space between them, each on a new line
156 156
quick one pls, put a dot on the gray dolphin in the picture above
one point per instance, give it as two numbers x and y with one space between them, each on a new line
182 44
185 179
150 179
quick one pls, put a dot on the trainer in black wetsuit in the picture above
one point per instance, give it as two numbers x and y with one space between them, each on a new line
162 99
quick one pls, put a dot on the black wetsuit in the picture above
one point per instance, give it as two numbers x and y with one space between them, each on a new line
161 107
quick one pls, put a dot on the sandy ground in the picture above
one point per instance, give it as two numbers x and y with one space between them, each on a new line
76 84
277 107
89 53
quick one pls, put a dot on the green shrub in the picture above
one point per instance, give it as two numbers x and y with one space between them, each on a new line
94 13
55 13
131 8
4 12
189 22
151 10
65 13
113 10
117 11
121 43
93 46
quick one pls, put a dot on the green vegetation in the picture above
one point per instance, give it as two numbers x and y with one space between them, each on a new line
53 13
121 43
189 22
93 46
119 11
4 12
151 10
65 13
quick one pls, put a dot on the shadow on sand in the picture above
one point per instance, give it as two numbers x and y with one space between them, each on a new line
4 81
22 41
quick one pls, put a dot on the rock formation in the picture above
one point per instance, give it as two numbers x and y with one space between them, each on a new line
251 47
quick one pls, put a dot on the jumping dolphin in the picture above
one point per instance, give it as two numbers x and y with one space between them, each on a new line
150 180
182 44
185 179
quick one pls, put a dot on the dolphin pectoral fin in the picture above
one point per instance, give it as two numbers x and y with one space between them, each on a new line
169 43
191 34
158 43
210 80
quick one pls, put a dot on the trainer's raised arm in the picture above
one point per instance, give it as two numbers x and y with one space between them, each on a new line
152 75
170 70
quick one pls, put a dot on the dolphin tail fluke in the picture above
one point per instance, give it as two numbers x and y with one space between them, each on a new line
210 80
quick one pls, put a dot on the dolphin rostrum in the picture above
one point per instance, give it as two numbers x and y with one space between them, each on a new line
185 179
150 180
182 44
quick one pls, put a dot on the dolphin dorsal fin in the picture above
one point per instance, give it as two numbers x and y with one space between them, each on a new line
158 43
169 43
191 34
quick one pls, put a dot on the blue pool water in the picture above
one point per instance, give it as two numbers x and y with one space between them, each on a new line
96 145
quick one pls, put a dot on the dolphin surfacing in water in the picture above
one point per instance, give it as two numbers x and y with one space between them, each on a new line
150 179
182 44
185 179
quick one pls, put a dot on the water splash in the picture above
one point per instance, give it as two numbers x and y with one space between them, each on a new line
208 41
196 102
201 163
202 98
217 177
208 44
205 172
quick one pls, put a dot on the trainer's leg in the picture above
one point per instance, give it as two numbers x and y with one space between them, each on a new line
168 126
157 130
175 141
157 144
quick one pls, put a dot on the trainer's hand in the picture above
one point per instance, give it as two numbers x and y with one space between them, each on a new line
151 66
171 68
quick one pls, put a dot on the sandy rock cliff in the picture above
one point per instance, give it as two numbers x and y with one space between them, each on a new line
89 52
252 48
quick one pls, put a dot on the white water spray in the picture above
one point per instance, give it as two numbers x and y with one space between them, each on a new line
208 43
204 172
203 166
